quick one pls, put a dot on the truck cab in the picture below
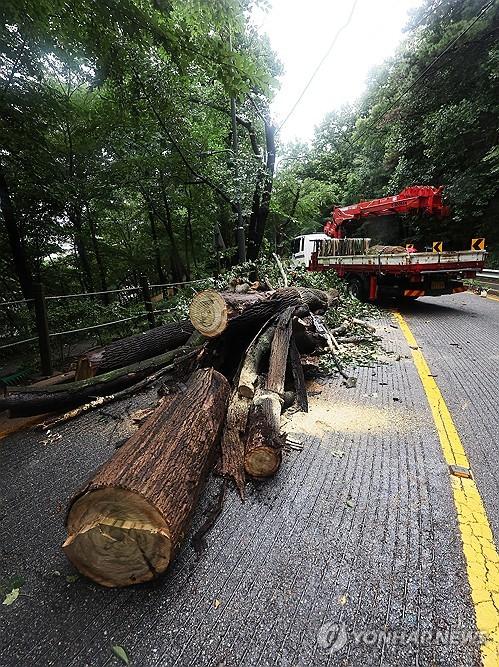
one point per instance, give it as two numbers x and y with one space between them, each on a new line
303 246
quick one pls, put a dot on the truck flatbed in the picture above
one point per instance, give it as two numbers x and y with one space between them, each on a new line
419 262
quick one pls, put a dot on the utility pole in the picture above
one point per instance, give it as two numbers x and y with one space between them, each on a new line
240 235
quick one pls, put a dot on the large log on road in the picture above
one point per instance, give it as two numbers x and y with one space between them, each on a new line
125 526
28 401
136 348
212 312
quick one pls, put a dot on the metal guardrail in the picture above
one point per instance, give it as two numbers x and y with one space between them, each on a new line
491 274
43 335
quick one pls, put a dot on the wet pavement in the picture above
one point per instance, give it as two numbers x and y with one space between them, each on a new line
351 555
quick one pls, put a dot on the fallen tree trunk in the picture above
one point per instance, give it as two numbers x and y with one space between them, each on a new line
212 312
263 452
279 353
136 348
233 438
126 524
28 401
298 376
255 355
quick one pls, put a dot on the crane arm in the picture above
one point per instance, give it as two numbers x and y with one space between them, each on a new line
420 198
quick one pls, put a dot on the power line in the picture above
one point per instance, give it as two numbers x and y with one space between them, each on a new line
331 46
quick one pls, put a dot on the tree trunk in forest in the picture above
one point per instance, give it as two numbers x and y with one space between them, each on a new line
279 237
133 349
27 401
263 452
261 198
177 265
74 214
156 250
98 257
19 257
125 526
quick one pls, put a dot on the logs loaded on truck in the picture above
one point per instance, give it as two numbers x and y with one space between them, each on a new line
235 367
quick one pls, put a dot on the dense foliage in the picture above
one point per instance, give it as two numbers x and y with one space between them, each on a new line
116 152
429 116
117 159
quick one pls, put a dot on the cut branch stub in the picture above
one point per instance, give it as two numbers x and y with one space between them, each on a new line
126 524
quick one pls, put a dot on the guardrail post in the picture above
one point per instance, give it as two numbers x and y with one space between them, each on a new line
146 294
42 328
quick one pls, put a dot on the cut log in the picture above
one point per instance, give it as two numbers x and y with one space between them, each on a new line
255 355
279 352
126 524
28 401
298 376
136 348
212 312
263 453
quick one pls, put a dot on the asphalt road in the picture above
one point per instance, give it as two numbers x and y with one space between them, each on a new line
350 556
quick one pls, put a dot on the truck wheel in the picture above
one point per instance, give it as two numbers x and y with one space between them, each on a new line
356 288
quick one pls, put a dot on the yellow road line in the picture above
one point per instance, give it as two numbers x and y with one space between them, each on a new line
494 298
482 559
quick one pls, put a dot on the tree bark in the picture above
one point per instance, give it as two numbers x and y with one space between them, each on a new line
126 524
133 349
232 447
19 257
279 353
263 452
255 355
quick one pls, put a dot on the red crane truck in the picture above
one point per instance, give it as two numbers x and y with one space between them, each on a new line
388 269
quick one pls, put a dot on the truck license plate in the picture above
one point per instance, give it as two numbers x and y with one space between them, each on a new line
437 284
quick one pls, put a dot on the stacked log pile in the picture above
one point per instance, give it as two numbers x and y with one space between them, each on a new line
240 351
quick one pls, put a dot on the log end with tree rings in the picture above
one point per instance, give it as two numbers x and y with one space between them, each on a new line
262 461
209 313
117 538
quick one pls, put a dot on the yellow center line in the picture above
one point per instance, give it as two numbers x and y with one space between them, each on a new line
482 559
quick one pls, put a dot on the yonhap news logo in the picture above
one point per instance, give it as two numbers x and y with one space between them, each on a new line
332 637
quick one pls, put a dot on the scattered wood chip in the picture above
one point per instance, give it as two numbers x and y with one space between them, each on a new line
349 502
217 603
343 599
141 415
